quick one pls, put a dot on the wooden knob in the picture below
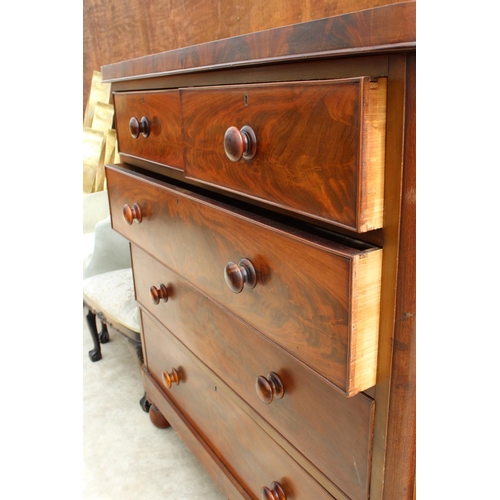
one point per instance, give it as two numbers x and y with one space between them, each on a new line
132 214
240 143
158 294
240 275
170 378
137 127
268 388
275 493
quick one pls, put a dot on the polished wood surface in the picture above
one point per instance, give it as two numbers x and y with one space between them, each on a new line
401 448
385 28
242 143
117 30
132 213
275 493
158 294
316 298
265 362
269 388
254 458
335 435
157 418
336 174
163 142
170 378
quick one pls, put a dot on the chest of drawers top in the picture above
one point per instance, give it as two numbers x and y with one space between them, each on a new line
382 29
287 118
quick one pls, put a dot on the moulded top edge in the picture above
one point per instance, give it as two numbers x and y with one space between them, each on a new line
389 27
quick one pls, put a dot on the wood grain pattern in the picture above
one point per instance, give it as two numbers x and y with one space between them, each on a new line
366 278
336 436
336 174
386 27
401 434
163 111
117 30
396 110
251 59
253 458
304 294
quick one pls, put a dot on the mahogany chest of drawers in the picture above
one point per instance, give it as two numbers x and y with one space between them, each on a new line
267 190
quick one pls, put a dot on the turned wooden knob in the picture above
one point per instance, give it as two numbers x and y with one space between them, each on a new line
132 214
240 143
170 378
270 387
137 127
240 275
158 294
275 493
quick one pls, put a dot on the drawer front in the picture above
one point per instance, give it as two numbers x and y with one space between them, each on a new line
162 111
318 299
319 146
333 432
247 451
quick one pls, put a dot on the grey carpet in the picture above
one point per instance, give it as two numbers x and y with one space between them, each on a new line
125 457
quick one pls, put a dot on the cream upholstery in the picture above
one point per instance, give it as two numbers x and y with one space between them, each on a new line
112 294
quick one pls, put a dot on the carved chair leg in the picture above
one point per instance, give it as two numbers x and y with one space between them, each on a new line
95 353
104 334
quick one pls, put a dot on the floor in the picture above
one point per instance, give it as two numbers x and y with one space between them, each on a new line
125 457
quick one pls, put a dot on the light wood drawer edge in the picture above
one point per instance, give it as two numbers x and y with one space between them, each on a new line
366 279
371 185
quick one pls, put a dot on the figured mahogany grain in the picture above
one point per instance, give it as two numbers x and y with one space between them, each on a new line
318 299
245 449
388 27
345 47
335 435
163 145
319 145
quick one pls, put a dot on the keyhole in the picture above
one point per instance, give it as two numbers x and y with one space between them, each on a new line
245 100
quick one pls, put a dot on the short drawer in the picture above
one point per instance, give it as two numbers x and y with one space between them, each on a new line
251 455
317 298
148 126
315 148
333 432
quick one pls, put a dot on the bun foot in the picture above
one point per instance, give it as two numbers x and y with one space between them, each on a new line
157 418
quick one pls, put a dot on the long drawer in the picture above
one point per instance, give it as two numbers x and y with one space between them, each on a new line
314 147
253 458
333 432
148 126
317 298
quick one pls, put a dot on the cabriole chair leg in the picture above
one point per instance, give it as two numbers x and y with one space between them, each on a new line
95 353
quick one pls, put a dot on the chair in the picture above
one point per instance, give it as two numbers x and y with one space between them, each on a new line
108 290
